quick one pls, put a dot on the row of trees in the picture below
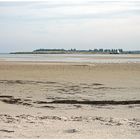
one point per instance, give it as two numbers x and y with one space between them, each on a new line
108 50
111 51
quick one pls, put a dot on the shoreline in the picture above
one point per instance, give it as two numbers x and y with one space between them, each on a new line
92 59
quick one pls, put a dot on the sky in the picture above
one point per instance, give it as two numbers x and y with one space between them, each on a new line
80 24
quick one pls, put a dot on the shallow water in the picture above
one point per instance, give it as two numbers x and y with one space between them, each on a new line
90 58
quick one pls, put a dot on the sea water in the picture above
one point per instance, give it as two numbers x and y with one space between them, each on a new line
90 58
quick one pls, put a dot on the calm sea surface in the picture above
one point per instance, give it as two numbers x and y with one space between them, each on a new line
72 58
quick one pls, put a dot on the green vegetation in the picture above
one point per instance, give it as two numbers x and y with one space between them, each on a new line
74 51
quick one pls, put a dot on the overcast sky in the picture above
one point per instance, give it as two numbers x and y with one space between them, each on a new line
80 24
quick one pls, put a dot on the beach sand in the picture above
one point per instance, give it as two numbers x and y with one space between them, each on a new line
69 100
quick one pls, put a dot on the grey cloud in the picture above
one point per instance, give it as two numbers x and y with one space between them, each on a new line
106 15
48 4
44 5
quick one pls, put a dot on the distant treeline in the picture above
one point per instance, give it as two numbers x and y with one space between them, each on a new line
75 51
110 51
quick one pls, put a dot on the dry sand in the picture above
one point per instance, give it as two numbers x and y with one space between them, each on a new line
69 100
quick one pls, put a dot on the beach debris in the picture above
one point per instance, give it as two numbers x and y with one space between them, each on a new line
71 131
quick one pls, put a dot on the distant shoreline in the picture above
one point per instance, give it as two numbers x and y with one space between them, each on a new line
74 51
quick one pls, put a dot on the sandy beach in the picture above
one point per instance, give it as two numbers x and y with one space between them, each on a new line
70 69
69 100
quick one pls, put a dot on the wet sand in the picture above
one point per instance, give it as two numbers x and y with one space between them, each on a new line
69 100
